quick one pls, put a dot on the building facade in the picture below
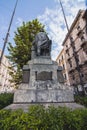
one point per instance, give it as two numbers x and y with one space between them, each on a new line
75 47
61 60
5 84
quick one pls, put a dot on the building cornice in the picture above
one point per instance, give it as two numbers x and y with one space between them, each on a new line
60 54
73 24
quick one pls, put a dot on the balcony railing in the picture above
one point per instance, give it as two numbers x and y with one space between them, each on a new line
67 50
79 32
68 59
85 62
84 45
71 70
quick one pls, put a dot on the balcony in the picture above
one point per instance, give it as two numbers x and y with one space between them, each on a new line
67 50
71 71
75 54
84 45
79 32
82 62
81 65
85 62
68 59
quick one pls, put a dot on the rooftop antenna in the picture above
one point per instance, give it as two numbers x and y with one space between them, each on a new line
7 34
72 45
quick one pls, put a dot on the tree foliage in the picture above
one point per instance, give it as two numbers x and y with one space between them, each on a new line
81 100
5 99
21 52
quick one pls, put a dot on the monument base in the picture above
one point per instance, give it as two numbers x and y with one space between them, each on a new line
25 106
44 94
43 85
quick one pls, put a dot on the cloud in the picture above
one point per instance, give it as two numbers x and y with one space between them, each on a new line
54 21
19 21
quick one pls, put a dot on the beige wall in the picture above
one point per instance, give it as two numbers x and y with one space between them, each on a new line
61 60
5 84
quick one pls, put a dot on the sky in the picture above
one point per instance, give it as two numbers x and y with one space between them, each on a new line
48 12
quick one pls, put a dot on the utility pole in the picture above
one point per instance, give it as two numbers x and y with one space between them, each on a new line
86 15
74 53
7 34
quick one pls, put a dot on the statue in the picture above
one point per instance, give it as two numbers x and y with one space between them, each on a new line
42 44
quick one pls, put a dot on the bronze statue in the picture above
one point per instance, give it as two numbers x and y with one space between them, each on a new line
42 44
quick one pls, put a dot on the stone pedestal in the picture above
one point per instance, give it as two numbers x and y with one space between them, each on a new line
43 83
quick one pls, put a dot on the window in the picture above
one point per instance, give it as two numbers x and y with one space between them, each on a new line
73 77
67 50
68 54
65 76
82 75
62 57
70 63
71 38
78 27
82 38
63 67
66 46
74 48
83 32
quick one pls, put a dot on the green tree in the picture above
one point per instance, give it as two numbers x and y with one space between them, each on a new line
21 52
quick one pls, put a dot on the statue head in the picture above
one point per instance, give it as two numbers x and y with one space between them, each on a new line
41 30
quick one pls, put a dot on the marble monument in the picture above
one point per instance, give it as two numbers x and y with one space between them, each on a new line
43 81
42 77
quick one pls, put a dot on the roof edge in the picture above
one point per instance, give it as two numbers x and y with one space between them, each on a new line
73 24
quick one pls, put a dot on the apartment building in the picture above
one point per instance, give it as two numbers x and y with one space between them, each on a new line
61 60
73 56
75 47
5 84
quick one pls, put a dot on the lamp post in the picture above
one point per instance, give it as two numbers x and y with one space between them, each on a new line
7 34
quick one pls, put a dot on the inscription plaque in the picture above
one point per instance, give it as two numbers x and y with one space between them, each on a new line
60 76
26 75
44 75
